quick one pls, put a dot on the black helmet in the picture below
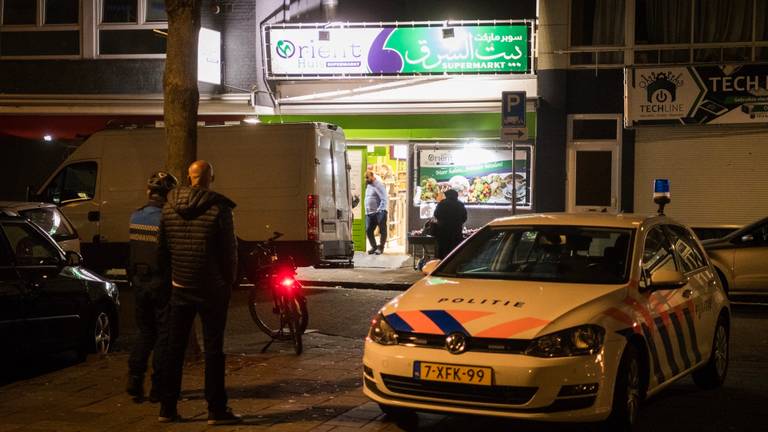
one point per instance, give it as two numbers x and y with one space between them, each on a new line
161 182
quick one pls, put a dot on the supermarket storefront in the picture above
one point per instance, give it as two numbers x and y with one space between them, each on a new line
419 105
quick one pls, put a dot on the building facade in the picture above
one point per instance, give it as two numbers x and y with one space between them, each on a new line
69 68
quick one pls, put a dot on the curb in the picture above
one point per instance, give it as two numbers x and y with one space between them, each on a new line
386 286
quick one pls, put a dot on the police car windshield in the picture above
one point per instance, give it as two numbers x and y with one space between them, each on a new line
544 253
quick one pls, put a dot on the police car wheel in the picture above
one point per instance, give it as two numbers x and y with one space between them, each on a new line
627 393
712 375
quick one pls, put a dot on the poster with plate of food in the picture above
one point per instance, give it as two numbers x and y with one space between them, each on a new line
481 176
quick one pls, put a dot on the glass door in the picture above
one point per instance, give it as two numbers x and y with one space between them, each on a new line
594 155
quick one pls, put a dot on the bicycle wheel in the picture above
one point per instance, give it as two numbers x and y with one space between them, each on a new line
264 311
303 312
294 323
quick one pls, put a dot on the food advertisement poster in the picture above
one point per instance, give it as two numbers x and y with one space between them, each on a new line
388 49
708 94
481 176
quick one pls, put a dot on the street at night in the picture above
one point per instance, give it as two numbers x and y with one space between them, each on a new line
529 215
320 390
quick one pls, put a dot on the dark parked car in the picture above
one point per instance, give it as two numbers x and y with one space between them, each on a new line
48 302
49 218
741 259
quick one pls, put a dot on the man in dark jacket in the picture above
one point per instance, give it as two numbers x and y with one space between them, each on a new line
151 283
451 215
197 232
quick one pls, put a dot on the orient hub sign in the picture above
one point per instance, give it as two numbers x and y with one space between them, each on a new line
386 50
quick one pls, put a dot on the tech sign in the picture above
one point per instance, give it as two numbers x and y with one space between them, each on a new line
696 94
389 49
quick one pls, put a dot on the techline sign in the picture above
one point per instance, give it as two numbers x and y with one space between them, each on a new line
390 49
707 94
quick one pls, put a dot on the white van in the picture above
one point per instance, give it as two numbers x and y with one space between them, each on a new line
291 178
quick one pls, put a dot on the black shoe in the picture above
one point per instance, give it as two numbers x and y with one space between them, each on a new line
168 415
372 251
379 251
135 387
226 417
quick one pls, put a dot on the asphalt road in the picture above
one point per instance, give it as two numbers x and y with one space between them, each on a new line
344 315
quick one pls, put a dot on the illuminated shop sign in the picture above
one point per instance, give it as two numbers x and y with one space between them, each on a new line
697 94
388 49
481 176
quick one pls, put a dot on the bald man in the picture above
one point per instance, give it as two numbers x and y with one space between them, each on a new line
197 234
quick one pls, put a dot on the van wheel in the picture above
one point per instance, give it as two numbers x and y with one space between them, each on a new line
712 375
627 392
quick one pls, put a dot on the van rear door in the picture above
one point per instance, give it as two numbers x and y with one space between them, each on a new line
341 187
333 190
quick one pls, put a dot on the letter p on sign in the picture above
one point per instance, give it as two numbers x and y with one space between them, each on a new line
513 109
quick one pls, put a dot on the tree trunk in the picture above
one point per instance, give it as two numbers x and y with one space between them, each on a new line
181 96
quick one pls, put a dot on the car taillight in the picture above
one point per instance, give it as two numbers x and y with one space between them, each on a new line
312 217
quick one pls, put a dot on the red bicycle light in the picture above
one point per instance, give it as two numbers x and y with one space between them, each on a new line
287 281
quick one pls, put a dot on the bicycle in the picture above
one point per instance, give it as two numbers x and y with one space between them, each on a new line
276 301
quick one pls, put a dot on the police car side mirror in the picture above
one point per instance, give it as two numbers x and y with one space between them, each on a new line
667 279
430 266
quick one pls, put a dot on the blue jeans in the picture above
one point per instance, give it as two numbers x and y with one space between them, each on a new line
373 220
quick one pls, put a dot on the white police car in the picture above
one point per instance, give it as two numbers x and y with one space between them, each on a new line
553 317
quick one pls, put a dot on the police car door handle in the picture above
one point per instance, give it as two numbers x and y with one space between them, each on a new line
687 292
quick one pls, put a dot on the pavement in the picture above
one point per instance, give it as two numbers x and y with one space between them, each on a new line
278 391
389 271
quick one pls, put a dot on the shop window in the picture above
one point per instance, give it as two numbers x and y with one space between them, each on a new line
156 11
722 21
658 56
120 11
601 57
761 21
131 42
62 11
594 23
34 28
19 12
722 31
130 28
482 175
32 43
662 21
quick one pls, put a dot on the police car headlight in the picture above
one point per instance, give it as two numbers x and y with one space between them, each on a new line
583 340
381 332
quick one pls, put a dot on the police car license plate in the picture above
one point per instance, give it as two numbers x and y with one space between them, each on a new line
453 373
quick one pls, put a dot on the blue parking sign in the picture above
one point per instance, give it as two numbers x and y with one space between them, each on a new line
513 109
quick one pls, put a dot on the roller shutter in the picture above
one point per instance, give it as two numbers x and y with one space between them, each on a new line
718 174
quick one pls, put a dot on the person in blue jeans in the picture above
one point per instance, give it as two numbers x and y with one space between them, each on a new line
375 212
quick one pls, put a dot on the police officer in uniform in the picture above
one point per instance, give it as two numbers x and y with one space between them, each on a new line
151 281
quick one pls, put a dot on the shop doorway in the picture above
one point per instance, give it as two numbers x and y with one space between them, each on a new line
594 156
390 163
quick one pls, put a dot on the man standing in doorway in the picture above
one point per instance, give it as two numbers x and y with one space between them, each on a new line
375 212
197 232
